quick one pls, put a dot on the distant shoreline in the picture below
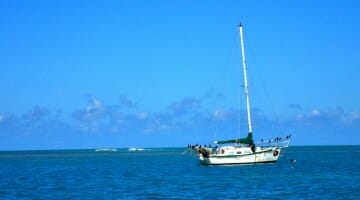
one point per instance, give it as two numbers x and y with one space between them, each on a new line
155 148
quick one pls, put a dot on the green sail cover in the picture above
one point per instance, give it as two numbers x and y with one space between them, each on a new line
247 140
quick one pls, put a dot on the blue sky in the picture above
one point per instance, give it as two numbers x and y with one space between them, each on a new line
80 74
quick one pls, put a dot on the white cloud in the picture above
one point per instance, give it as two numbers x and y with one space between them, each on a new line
36 113
295 106
142 115
125 101
148 130
315 113
164 127
185 105
349 118
94 110
354 115
2 118
299 117
329 117
224 114
94 106
219 114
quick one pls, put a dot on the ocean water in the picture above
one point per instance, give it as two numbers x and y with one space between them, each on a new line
321 172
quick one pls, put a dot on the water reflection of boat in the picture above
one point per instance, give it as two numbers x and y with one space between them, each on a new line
106 149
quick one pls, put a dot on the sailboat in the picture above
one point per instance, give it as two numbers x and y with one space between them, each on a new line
242 150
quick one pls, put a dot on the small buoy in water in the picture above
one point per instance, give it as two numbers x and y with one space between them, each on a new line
292 160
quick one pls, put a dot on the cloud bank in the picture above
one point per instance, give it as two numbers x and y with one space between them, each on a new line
185 120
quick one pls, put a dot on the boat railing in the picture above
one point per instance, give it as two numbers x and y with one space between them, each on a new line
280 144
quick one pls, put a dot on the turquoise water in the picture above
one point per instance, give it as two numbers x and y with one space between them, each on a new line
321 172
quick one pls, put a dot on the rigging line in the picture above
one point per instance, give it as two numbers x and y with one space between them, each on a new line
225 82
270 102
239 114
242 117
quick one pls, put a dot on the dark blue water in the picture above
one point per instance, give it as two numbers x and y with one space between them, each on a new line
326 172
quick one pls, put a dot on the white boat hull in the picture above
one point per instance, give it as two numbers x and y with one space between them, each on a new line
239 156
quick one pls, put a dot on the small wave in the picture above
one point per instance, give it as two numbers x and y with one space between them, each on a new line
340 151
106 149
136 149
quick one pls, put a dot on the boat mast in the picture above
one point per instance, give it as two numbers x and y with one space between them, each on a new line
245 79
